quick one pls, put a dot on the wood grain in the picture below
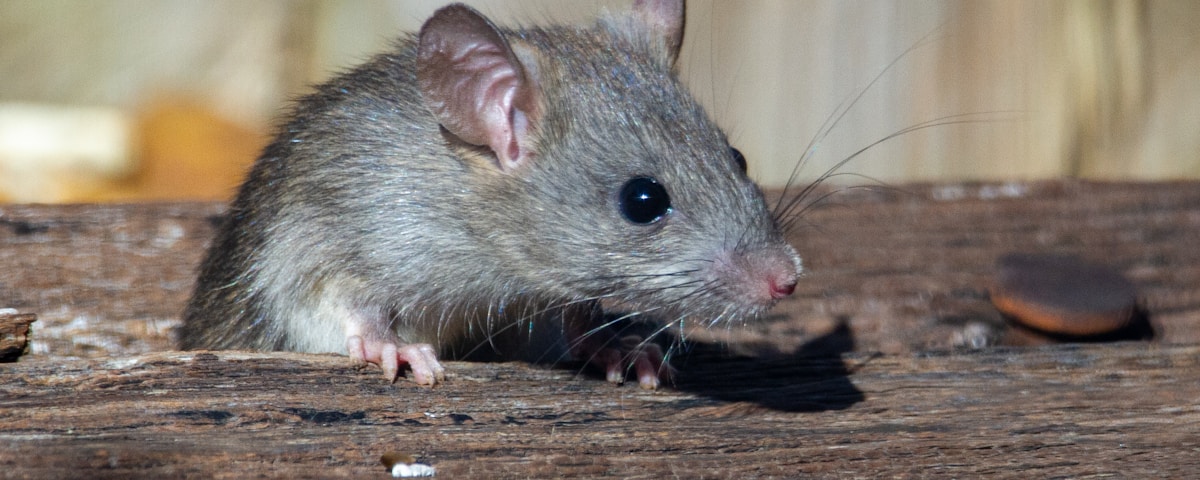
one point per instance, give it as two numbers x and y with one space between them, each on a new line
1126 410
889 361
14 334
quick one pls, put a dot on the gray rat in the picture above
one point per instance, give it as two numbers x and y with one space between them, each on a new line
478 180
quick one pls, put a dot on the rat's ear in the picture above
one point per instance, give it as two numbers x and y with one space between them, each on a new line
475 85
664 17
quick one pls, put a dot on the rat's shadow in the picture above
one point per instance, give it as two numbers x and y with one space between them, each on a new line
813 378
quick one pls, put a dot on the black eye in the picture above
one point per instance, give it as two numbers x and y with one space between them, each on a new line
644 200
739 158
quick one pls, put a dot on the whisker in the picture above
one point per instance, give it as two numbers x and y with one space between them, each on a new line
790 205
840 112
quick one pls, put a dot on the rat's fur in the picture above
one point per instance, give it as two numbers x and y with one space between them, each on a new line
364 210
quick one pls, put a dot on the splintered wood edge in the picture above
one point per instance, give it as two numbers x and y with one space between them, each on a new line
14 334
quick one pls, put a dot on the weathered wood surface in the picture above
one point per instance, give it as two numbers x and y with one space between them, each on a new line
14 334
104 280
841 382
1111 411
906 269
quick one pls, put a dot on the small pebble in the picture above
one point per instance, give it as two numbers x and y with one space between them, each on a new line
1062 294
403 465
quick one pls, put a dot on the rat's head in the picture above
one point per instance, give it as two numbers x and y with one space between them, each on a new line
607 178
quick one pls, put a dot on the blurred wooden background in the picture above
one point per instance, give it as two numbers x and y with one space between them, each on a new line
157 99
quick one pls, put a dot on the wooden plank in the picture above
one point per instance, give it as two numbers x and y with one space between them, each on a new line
905 268
104 280
1126 410
888 361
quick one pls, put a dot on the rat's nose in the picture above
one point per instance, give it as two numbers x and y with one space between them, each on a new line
764 276
782 287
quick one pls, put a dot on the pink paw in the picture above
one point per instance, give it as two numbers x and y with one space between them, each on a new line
629 353
420 357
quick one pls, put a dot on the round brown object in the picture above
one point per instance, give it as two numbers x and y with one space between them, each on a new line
1062 294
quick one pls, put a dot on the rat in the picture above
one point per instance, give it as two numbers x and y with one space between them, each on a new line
477 183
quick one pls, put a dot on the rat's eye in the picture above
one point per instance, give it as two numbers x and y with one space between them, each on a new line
644 200
739 158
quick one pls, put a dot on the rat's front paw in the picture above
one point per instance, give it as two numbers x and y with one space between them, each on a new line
420 357
617 356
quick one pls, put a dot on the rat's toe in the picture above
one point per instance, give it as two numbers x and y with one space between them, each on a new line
650 367
420 357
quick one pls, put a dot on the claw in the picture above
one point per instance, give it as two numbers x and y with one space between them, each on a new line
421 358
645 359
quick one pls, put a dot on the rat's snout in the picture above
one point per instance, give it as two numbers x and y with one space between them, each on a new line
762 277
778 271
782 286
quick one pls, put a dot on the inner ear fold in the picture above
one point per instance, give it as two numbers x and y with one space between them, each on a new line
475 85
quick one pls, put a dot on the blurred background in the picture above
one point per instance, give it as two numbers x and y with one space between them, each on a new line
127 100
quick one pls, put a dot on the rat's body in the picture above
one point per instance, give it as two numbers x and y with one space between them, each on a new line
475 179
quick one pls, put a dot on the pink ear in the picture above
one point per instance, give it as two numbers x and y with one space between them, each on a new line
665 17
472 81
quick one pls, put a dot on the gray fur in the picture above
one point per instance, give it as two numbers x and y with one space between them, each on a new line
362 205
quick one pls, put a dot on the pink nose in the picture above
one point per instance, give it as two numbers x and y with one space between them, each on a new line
782 287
